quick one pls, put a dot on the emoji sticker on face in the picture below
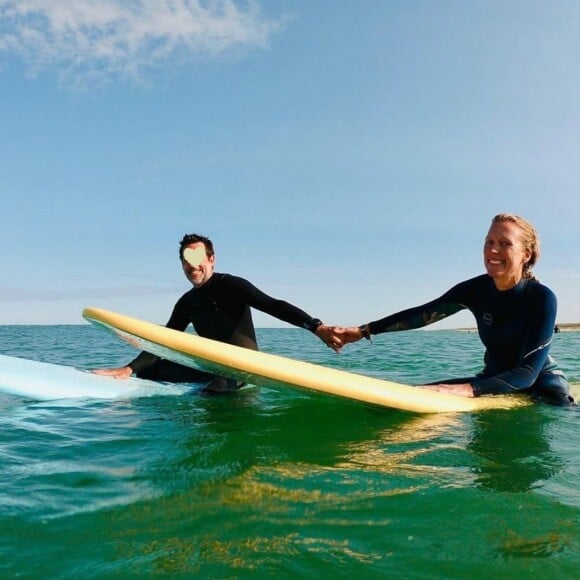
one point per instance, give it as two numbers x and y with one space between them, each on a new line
194 256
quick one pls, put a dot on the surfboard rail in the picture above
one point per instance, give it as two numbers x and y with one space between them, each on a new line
261 368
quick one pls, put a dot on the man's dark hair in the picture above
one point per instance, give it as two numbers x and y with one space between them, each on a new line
194 239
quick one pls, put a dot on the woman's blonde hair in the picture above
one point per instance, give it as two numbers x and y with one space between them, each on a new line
529 238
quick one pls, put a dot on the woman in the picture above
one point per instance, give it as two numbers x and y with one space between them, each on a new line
515 317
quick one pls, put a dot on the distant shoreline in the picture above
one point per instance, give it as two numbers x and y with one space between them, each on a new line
560 327
567 326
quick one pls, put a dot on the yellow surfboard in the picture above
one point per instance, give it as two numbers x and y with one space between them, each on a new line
267 369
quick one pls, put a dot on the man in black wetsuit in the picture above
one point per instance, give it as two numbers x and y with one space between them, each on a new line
218 307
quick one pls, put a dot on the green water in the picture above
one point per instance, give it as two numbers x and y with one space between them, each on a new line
285 483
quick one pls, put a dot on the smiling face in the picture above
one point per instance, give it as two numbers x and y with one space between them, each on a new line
504 254
197 266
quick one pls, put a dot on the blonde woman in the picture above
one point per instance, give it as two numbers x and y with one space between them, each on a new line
515 317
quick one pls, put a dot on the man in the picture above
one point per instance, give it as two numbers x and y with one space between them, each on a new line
218 307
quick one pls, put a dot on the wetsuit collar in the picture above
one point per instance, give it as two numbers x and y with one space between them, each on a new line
517 289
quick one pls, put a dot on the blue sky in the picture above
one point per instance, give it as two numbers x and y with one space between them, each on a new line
345 156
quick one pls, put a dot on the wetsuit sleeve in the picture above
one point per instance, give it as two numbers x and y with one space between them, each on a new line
280 309
418 316
178 321
535 348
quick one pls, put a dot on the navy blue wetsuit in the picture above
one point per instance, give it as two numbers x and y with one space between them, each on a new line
516 327
220 310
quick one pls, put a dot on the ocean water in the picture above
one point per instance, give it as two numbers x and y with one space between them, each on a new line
285 483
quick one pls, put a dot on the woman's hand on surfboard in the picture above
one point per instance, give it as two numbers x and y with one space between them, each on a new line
464 389
118 373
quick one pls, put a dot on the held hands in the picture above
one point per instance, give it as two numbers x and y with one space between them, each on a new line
336 337
327 335
118 373
348 334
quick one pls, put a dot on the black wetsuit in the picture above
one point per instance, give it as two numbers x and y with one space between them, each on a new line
516 327
220 310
